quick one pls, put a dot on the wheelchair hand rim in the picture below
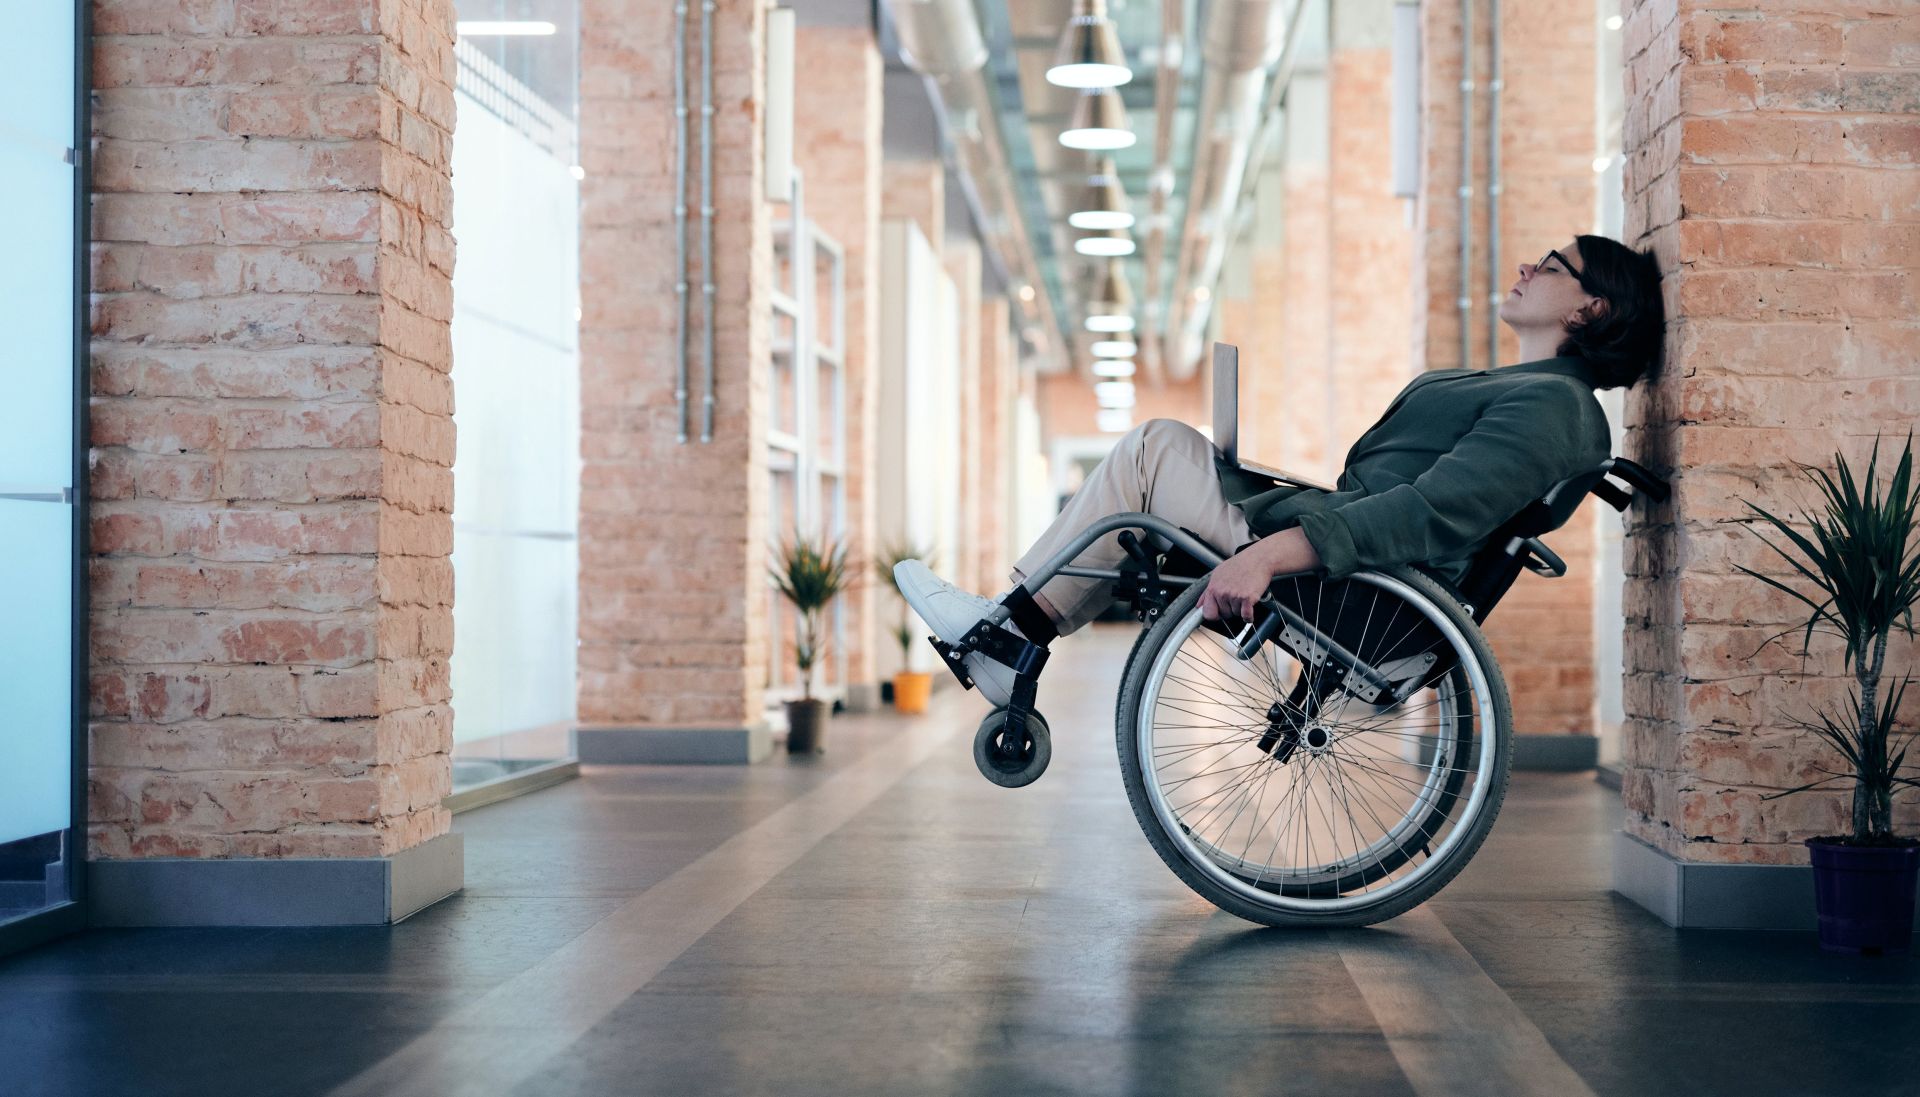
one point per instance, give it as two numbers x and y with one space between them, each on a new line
1483 710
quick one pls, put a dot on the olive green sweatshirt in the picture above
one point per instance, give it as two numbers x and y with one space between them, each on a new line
1457 454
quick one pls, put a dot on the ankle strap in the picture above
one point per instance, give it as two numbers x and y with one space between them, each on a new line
1027 614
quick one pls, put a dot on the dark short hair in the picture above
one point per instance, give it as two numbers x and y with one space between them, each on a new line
1626 342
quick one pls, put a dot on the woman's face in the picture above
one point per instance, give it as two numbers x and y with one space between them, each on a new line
1547 292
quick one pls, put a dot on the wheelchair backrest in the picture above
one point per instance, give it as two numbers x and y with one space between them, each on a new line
1509 549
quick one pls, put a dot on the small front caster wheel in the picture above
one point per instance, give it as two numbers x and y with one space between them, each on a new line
1008 760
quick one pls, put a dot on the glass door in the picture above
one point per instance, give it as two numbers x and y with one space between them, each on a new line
41 619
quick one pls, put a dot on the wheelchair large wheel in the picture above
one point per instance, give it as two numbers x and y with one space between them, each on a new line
1287 795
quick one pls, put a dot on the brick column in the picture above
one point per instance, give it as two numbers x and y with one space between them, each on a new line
1771 165
999 363
962 261
1370 354
837 144
273 440
673 557
917 191
1547 197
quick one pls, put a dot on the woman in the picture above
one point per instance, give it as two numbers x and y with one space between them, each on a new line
1456 455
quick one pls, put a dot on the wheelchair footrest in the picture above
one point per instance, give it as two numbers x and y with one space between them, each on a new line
996 643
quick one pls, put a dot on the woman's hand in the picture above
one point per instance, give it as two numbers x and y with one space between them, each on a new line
1242 579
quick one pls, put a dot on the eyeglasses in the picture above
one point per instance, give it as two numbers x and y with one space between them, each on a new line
1553 256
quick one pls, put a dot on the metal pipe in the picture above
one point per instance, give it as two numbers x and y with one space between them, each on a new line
1243 38
1166 98
1494 86
680 199
1465 301
941 40
706 207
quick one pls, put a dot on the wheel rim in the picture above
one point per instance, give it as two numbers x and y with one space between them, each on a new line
1363 805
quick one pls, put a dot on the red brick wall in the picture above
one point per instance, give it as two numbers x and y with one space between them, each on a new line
1771 165
272 428
1542 630
673 586
837 144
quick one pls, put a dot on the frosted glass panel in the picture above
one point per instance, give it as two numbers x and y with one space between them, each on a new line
36 312
516 367
36 80
36 667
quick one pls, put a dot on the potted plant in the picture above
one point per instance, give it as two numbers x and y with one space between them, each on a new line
810 575
1862 560
911 688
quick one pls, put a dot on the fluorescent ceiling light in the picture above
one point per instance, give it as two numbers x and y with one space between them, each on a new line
1113 367
1099 122
1089 55
1114 394
1114 348
1115 420
1102 203
480 28
1109 322
1109 243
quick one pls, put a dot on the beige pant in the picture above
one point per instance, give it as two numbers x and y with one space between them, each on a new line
1163 467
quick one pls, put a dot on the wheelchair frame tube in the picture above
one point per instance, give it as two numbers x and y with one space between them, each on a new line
1061 563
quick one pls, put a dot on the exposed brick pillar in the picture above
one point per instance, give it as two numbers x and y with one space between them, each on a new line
1369 357
1547 143
273 441
673 557
837 145
917 190
1771 166
1308 444
962 261
999 362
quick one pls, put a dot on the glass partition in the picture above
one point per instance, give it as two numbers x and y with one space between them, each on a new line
516 372
40 842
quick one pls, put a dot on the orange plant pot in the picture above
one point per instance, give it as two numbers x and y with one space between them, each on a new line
911 689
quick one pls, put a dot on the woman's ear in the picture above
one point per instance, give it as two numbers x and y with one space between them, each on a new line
1594 309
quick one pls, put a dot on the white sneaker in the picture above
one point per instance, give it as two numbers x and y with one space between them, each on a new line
951 613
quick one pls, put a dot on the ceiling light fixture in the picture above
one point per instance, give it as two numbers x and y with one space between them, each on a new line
1089 55
1114 348
1109 322
1102 202
1114 394
1115 420
1105 244
521 28
1113 367
1099 123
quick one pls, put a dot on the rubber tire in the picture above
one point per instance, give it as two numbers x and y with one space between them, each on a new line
983 751
1133 688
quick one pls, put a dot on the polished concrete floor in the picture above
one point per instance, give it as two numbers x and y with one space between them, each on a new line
880 920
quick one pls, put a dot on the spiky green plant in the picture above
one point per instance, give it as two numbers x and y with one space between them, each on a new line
810 573
1865 566
890 556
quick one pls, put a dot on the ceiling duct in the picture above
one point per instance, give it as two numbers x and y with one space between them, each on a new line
1241 40
941 40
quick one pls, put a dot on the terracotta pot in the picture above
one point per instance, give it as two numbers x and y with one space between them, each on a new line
911 688
1864 896
806 727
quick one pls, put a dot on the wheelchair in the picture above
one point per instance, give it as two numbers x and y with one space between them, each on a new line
1334 762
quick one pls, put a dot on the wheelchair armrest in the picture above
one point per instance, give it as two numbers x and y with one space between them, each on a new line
1537 557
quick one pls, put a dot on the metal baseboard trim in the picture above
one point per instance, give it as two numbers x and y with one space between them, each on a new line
258 891
532 779
1689 894
655 746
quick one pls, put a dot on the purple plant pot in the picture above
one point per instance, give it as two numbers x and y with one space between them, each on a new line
1864 896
